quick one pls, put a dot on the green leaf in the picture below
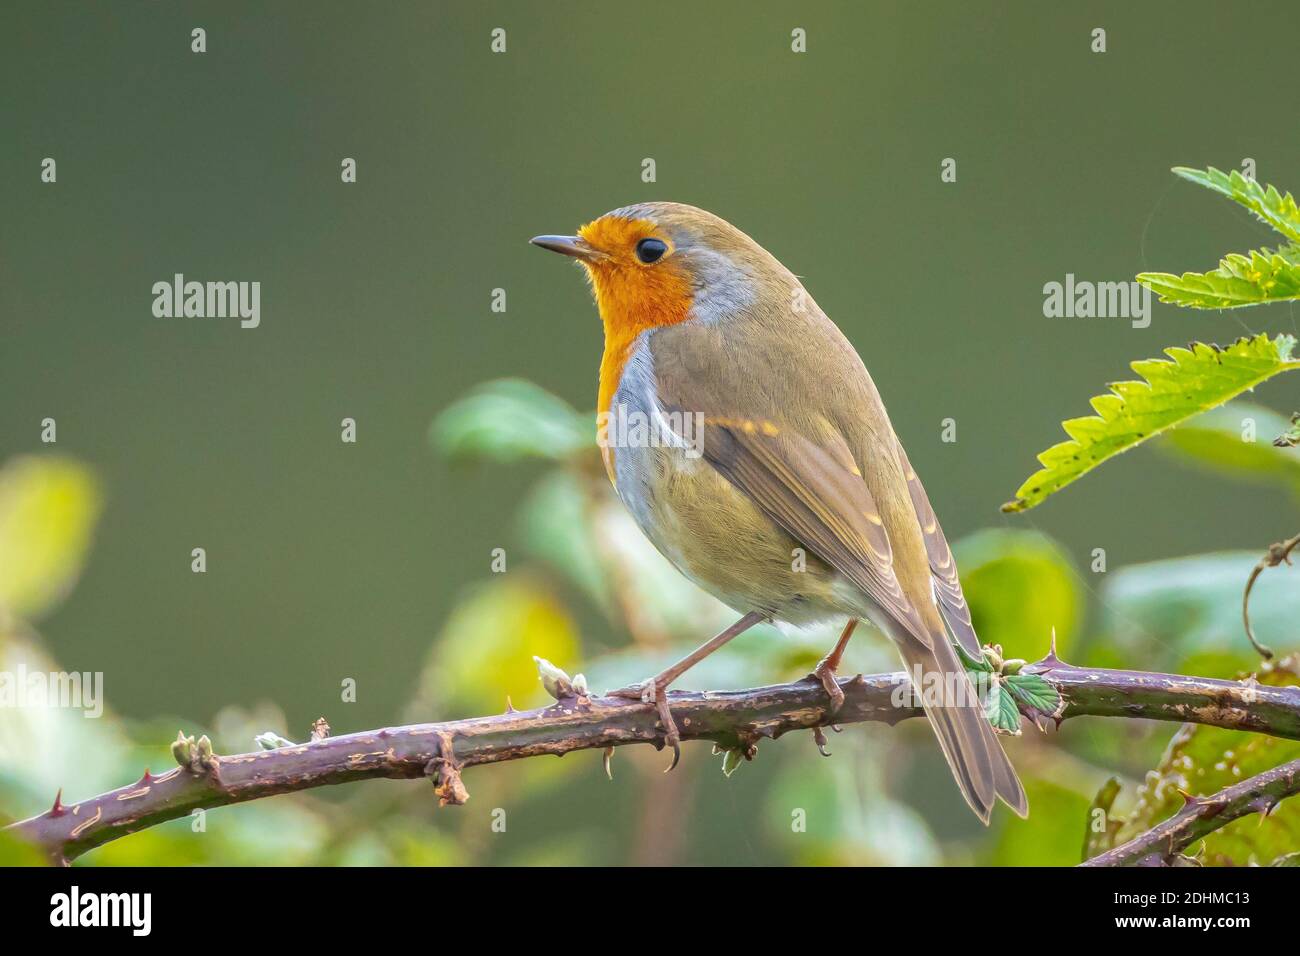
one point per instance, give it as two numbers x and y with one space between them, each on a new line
731 760
510 420
1290 436
1262 276
1234 440
486 649
1020 585
1184 614
1000 708
48 510
1196 379
1034 693
981 666
1269 206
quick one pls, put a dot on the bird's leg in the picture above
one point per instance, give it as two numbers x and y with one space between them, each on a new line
828 665
654 690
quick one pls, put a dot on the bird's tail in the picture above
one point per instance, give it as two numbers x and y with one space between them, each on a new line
981 768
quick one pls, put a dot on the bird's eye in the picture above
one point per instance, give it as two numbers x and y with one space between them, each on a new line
651 250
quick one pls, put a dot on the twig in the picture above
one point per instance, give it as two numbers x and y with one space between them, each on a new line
733 720
1277 553
1203 815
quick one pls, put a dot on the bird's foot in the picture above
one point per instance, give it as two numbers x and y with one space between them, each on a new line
652 692
825 672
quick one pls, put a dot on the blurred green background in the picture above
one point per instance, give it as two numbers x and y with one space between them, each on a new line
329 560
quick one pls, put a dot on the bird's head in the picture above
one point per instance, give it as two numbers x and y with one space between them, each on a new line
660 263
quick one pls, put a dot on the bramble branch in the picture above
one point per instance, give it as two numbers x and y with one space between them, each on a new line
733 720
1203 815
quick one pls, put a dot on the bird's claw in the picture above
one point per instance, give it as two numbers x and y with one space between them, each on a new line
819 738
650 692
825 673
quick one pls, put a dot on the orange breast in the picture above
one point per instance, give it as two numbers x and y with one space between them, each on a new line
632 298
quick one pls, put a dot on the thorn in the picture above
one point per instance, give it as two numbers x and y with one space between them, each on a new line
819 738
510 707
1189 800
57 810
148 777
608 756
836 727
1052 659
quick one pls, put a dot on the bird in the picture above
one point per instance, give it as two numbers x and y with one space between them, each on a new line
744 434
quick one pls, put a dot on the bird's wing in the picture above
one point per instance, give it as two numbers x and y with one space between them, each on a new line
947 586
810 487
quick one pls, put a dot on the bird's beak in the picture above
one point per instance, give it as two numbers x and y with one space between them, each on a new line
574 246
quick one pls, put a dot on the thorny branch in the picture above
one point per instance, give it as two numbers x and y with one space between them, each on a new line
1203 815
733 720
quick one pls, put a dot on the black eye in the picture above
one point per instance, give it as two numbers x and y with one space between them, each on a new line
651 250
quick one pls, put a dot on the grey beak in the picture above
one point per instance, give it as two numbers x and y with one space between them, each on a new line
574 246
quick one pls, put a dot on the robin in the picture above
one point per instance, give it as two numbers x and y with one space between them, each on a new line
754 451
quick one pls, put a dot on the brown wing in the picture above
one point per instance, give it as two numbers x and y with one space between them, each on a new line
807 487
947 586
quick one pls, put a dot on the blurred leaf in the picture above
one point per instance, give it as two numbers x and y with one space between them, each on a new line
1215 440
1192 381
839 811
1020 585
1047 837
45 746
1100 828
509 420
48 510
1203 760
485 652
281 832
16 852
556 527
1165 612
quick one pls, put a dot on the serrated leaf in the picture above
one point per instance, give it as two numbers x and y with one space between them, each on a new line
1034 692
1000 708
1193 380
1261 276
1277 209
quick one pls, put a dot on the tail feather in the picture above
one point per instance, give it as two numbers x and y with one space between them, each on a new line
978 763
